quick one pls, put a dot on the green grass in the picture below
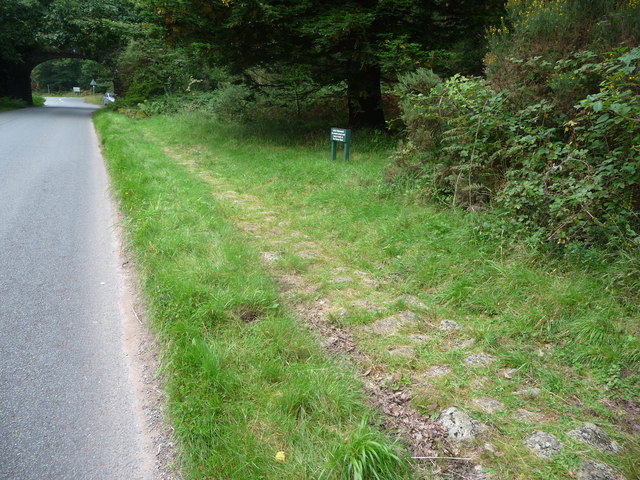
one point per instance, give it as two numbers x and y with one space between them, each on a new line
570 329
245 380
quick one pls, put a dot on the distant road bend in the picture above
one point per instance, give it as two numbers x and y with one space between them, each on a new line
68 407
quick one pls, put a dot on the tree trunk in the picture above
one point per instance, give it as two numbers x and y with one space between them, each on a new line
365 97
15 81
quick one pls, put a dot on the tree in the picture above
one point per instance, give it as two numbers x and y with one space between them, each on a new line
333 40
34 31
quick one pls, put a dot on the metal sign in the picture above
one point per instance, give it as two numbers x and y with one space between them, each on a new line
342 135
93 86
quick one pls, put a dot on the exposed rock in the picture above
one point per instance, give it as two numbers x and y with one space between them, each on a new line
436 371
449 325
343 280
271 257
543 444
418 338
527 416
308 254
489 447
489 405
391 325
329 342
462 344
528 392
508 373
403 351
411 300
479 382
460 426
592 470
593 435
479 360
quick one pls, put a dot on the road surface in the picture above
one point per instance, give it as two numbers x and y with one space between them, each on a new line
68 408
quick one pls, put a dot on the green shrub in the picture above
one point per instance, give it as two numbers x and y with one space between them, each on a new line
38 100
228 101
561 175
11 103
555 29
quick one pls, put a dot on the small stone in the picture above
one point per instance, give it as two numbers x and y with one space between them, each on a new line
418 338
593 435
528 392
449 325
592 470
462 344
391 325
437 371
342 280
479 382
308 254
330 342
460 426
543 444
479 360
489 448
508 373
271 257
411 300
527 416
489 405
403 351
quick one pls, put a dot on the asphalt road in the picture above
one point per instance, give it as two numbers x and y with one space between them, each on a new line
67 404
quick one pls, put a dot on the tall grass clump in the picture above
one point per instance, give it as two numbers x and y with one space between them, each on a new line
366 455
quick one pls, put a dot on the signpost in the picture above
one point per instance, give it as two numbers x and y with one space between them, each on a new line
340 135
93 85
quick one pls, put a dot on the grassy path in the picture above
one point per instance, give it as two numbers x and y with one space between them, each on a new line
268 241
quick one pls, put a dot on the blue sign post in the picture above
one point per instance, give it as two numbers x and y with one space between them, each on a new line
340 135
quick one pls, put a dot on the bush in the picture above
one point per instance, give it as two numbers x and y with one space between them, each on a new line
11 103
38 100
228 101
555 29
560 174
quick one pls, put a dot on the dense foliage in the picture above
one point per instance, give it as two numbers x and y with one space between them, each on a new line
553 137
357 42
34 31
64 74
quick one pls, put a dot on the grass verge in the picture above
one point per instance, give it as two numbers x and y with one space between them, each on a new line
246 382
560 340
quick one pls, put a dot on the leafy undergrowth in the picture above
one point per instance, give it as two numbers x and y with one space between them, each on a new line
560 343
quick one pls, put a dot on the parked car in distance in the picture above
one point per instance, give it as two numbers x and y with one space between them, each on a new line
108 98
